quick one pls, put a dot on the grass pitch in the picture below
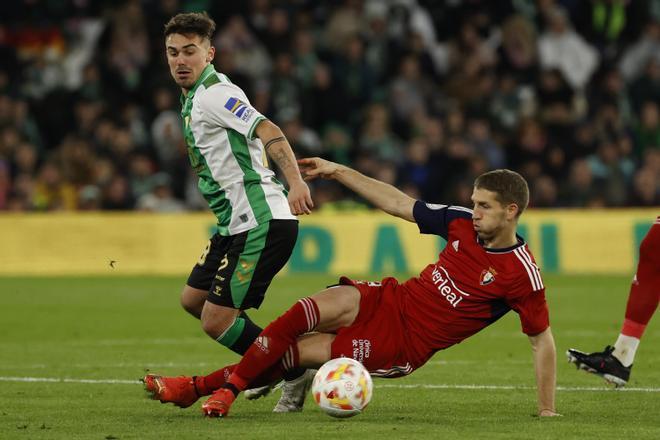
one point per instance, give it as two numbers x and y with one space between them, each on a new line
71 350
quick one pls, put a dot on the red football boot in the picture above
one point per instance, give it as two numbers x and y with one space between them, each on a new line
178 390
219 403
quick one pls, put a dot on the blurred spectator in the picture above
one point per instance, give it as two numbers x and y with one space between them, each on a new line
517 53
613 171
562 48
51 191
555 98
277 38
639 54
117 195
304 140
285 90
354 75
580 190
410 92
337 144
89 198
128 50
544 194
377 138
159 198
305 58
142 170
248 54
647 86
345 22
76 161
647 132
325 101
506 107
483 144
415 170
646 189
166 133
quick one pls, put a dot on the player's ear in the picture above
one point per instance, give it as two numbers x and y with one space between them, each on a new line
512 211
210 54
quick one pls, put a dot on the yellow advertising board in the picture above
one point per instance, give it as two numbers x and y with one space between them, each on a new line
579 241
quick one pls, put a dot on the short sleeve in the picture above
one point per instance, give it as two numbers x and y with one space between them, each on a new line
533 312
226 105
435 219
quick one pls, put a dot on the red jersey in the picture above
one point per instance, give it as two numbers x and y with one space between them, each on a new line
469 287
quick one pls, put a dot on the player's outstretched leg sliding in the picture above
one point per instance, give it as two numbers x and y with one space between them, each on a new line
601 363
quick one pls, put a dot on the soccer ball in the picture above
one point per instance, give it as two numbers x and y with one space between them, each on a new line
342 387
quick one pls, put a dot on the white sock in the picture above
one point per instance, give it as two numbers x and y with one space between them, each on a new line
625 348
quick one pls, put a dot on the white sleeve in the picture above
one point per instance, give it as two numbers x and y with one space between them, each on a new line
227 106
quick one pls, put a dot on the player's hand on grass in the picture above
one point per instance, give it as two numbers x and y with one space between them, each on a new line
548 413
300 200
314 167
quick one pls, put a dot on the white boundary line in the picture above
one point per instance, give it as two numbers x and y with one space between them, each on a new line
379 385
513 387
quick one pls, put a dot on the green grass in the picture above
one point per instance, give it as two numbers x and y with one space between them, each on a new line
117 327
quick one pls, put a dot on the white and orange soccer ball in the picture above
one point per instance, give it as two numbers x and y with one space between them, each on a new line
342 387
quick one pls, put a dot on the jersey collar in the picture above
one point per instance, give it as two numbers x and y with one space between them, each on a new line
208 71
521 242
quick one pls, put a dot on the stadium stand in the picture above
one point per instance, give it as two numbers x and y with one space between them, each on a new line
423 94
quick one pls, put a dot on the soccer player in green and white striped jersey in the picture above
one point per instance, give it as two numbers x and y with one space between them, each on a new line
227 140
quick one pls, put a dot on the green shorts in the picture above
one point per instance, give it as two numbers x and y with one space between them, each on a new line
236 270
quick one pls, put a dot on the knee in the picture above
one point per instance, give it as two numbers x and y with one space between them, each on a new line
216 324
192 303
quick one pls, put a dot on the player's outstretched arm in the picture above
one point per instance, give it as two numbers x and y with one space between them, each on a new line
380 194
545 364
279 150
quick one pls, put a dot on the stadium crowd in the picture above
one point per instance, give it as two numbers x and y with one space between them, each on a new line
423 94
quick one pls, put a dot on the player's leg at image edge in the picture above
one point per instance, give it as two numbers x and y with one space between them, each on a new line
615 362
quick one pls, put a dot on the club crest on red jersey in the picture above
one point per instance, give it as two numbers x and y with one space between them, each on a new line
487 276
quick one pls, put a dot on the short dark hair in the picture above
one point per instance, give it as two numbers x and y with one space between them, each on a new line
196 23
509 186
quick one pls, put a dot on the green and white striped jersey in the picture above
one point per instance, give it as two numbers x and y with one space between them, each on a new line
219 128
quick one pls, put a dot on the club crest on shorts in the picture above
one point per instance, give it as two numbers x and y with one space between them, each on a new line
487 276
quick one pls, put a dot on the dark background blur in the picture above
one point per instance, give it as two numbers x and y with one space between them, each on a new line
422 94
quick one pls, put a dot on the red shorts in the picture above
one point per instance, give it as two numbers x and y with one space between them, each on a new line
377 336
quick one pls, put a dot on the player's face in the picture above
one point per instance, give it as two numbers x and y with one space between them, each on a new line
490 218
187 56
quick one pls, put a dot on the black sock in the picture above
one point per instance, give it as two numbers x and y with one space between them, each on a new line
247 336
294 373
231 387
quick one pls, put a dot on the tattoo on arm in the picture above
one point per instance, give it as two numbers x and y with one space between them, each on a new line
281 159
273 141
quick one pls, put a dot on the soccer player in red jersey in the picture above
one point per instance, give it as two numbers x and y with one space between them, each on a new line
393 328
614 363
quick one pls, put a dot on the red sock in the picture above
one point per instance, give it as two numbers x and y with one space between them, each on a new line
206 385
272 344
645 290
